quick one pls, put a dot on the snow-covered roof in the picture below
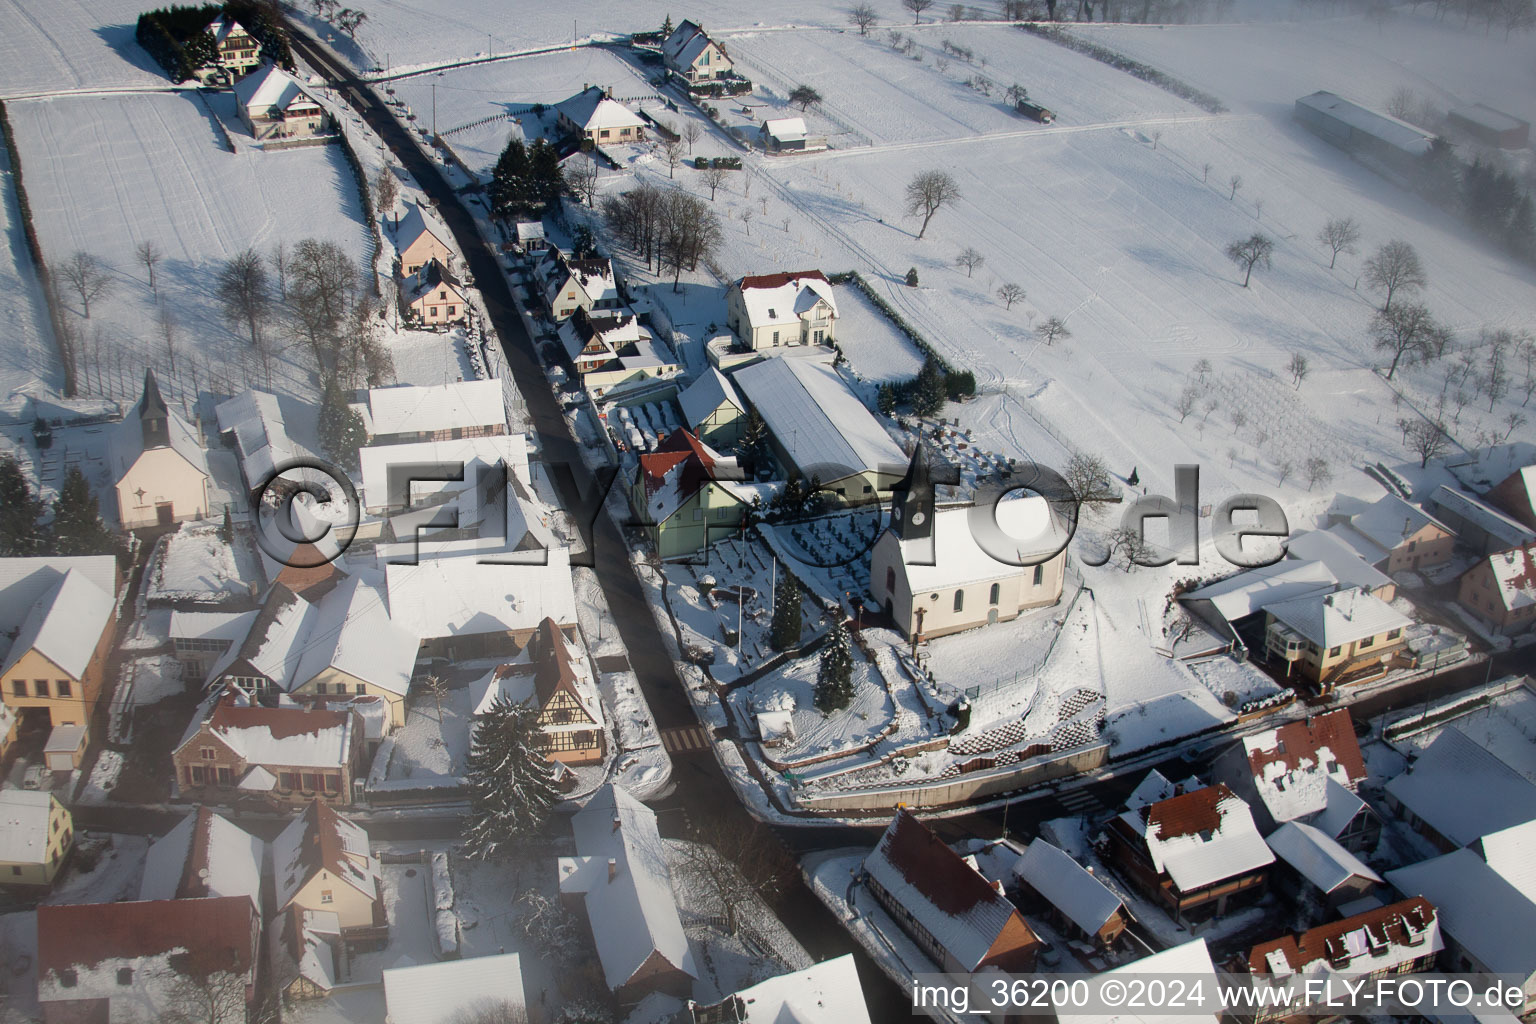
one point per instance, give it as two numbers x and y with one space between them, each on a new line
426 408
1292 763
24 815
259 423
274 644
785 129
781 298
194 625
1342 560
1508 532
958 559
413 225
678 469
1462 790
1249 591
26 581
1156 786
1397 134
1377 941
1515 573
591 110
257 780
1390 522
548 663
269 88
431 277
1487 117
1478 908
303 945
65 623
437 993
1341 808
1516 494
1200 837
477 455
825 993
530 231
1067 886
621 871
602 334
153 424
1342 617
352 632
205 854
705 395
318 840
1512 853
685 44
1317 857
443 597
818 420
1188 960
945 896
285 737
594 276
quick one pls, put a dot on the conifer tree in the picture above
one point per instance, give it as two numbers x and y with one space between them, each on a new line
19 512
77 525
511 783
784 632
834 676
340 428
928 390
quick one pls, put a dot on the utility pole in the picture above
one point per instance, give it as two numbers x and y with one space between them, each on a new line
434 114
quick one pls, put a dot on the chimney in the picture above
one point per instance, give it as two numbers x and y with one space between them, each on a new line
613 868
617 821
609 93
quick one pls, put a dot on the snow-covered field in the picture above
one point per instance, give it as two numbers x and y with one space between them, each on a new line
106 173
57 45
28 362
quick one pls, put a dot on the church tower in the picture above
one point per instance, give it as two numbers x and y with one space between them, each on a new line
154 418
913 500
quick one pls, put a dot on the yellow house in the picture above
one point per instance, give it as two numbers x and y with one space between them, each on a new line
160 468
239 52
553 674
36 833
355 649
434 296
418 243
685 496
596 116
56 661
1344 637
321 862
712 409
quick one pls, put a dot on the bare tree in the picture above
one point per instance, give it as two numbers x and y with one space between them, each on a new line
1188 399
1513 422
1427 440
1052 328
244 293
1239 420
1087 480
928 192
548 925
1393 268
1010 293
149 254
804 97
1205 172
672 154
692 132
1406 332
1236 181
863 15
1318 471
490 1011
713 178
1252 251
691 234
167 321
1202 369
321 279
1495 383
1298 368
736 865
386 189
214 998
917 7
1283 470
89 278
1401 103
970 259
1340 234
581 177
1128 548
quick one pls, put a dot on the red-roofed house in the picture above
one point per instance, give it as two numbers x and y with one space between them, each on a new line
961 920
684 495
1501 590
98 963
1192 852
1516 495
322 862
284 755
770 310
552 672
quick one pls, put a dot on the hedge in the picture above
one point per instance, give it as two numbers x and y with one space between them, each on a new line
1146 72
365 193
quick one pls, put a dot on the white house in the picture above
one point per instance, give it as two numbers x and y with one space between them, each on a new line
824 993
689 52
274 105
788 135
1458 791
770 310
159 467
435 412
596 116
455 990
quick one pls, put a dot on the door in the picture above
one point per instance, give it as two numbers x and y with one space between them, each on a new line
163 513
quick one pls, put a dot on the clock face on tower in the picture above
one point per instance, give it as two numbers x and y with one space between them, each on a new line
918 519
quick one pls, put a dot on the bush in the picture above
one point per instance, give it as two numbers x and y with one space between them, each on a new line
700 163
730 163
912 277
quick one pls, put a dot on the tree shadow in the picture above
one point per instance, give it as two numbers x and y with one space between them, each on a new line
120 39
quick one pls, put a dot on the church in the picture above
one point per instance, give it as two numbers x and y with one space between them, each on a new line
931 570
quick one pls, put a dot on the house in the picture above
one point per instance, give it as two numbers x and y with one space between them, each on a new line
530 237
1343 561
239 52
434 296
408 413
1479 525
205 854
609 350
256 425
620 877
36 834
787 135
594 115
1335 639
1075 901
419 243
1192 853
685 495
1403 938
773 310
824 993
932 575
455 990
712 410
64 750
1457 791
1515 496
1312 865
159 468
281 755
1385 143
60 622
1509 852
1501 590
306 954
1488 925
1190 961
1490 127
100 962
569 284
690 53
959 919
1233 605
1284 774
822 430
322 862
552 673
275 106
1393 535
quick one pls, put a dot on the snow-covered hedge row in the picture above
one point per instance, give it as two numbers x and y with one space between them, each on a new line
1119 61
857 280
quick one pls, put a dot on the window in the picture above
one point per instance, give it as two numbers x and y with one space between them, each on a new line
310 781
775 338
720 513
453 310
996 593
698 514
1393 634
39 687
359 688
125 975
333 784
868 489
288 780
197 775
603 134
18 687
1039 575
1367 642
208 753
61 687
67 977
432 311
959 600
1333 652
442 296
15 869
890 579
326 896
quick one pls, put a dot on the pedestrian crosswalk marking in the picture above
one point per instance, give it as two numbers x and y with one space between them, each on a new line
685 739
